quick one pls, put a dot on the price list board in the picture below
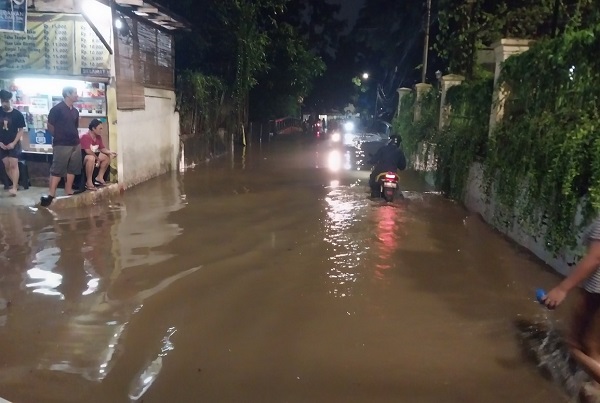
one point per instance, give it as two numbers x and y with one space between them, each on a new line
57 39
54 45
93 58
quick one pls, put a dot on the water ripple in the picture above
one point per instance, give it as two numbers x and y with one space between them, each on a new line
344 211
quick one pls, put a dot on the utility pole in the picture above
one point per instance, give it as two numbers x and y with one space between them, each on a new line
426 47
376 99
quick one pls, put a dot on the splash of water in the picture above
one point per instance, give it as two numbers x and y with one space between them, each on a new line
545 344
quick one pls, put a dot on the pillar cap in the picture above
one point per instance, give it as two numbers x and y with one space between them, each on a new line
512 42
423 86
453 77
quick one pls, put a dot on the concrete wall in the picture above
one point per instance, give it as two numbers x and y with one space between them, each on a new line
476 200
148 140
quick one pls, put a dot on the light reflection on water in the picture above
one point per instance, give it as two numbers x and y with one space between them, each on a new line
69 264
389 220
146 377
344 210
45 282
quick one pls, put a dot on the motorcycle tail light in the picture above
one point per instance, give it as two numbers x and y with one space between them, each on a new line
390 176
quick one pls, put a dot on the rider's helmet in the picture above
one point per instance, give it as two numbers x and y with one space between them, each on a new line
395 139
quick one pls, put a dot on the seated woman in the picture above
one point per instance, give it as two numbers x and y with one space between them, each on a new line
95 154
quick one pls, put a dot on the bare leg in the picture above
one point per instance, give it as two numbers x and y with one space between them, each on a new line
53 185
13 173
69 184
104 161
6 166
89 163
584 337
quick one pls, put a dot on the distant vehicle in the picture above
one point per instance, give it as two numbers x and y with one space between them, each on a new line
374 136
318 130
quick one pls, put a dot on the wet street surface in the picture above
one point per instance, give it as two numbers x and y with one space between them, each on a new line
267 277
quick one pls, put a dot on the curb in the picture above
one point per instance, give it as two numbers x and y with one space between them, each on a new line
87 198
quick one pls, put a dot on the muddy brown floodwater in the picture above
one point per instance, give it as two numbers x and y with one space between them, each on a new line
266 277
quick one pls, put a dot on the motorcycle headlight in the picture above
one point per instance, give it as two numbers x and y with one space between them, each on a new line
336 136
349 126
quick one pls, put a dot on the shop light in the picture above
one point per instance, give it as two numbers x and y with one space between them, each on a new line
118 23
47 86
92 8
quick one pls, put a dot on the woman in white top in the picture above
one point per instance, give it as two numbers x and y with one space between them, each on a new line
584 335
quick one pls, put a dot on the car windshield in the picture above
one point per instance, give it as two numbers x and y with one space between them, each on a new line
379 127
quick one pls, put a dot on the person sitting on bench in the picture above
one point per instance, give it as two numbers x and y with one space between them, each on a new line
95 155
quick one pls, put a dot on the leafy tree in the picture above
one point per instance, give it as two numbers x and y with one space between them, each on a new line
466 26
322 32
262 44
281 89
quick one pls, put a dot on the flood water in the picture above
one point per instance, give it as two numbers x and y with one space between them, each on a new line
266 277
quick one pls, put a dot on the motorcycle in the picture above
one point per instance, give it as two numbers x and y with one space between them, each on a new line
388 185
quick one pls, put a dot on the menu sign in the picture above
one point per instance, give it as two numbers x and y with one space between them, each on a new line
94 59
54 44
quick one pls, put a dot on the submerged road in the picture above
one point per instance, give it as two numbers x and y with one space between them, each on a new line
266 277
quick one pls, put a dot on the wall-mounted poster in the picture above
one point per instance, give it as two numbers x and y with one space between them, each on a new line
54 44
13 15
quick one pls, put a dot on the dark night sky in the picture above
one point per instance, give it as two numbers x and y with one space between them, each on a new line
349 11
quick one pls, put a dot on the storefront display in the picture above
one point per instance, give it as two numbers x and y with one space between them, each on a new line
34 97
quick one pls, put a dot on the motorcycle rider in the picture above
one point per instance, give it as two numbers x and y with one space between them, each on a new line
388 158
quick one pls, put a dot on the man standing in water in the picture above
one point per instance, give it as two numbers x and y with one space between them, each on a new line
12 124
584 333
63 121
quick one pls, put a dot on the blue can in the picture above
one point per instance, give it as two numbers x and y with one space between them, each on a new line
540 294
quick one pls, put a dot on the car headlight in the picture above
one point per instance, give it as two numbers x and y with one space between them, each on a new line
334 161
349 126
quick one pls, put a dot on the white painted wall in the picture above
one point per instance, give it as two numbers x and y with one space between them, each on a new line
148 140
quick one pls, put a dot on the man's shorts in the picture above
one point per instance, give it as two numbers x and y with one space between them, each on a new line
66 160
14 153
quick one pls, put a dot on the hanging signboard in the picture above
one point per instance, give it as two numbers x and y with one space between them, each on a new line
54 44
13 15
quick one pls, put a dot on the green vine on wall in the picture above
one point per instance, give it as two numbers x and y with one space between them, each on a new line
544 158
542 163
415 132
463 140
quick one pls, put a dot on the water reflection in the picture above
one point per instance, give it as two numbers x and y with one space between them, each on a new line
15 256
344 210
93 256
45 282
389 219
146 377
89 341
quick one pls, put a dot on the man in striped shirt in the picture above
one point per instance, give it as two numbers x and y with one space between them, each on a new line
584 335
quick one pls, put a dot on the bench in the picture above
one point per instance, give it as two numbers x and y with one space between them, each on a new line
46 158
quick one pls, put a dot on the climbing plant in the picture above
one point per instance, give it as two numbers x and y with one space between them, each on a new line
464 138
416 131
543 160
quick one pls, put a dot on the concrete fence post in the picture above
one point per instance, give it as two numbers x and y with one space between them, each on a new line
422 90
447 82
401 93
503 49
